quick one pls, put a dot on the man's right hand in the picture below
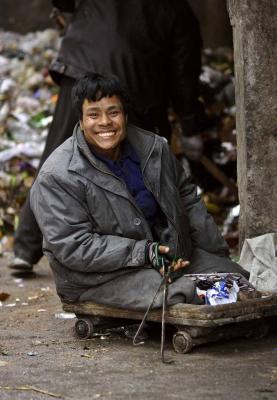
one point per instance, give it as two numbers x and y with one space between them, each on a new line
156 254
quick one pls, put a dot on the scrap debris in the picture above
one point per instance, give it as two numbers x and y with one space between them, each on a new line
223 288
215 171
4 296
27 101
31 388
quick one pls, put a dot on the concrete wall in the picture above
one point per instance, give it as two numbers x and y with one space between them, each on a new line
255 31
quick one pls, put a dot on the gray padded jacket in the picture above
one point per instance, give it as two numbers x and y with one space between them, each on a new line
93 230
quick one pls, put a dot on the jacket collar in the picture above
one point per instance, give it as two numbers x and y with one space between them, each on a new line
142 141
82 159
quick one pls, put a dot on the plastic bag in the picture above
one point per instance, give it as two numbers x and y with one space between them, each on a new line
258 256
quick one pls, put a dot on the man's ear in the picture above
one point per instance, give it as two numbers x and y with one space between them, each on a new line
81 125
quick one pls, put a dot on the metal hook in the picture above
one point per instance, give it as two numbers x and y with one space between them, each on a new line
164 283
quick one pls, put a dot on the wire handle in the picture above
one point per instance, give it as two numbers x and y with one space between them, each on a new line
164 283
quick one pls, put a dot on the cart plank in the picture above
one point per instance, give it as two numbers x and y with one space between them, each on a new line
188 314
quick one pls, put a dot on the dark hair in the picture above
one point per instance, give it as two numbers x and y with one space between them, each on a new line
94 87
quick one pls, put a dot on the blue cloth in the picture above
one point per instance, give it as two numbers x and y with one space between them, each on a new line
128 169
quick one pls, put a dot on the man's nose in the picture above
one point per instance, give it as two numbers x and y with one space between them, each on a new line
104 120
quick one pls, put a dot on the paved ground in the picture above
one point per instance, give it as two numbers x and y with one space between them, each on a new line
38 352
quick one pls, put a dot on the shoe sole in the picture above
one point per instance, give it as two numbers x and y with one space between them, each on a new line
21 268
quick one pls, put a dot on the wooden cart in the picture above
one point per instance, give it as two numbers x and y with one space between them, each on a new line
195 324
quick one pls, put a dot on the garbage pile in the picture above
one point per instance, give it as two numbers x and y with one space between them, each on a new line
215 171
218 92
223 288
27 101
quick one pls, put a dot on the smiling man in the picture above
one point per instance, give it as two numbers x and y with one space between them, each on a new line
104 125
114 205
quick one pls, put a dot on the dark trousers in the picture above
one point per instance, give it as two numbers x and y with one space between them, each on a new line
28 237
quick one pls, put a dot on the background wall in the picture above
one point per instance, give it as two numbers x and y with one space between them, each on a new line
30 15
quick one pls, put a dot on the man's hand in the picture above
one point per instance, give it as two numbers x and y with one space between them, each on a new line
178 264
177 269
156 254
159 257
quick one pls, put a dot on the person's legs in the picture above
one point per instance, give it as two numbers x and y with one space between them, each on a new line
136 290
28 238
64 120
203 262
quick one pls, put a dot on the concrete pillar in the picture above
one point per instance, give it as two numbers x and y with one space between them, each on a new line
254 25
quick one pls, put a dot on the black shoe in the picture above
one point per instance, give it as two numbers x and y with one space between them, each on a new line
20 265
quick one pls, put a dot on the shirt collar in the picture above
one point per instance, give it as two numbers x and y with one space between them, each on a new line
127 151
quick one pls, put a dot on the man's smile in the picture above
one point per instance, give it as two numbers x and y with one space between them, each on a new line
107 134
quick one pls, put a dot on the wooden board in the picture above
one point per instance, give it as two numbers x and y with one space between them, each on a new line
188 314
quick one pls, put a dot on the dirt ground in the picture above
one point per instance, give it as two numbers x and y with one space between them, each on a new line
40 358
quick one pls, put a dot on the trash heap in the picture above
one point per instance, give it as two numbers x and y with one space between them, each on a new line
27 102
223 288
218 93
215 172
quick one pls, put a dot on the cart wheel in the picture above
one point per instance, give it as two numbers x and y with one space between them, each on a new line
182 342
84 328
261 331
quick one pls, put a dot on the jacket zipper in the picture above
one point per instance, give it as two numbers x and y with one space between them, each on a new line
148 187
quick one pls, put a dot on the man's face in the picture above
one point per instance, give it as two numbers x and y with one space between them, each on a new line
104 125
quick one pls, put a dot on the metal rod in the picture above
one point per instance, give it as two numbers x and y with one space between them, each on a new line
165 292
135 343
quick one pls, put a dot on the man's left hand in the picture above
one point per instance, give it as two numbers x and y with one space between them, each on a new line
176 269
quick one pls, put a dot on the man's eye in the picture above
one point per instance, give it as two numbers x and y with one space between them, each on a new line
93 115
114 113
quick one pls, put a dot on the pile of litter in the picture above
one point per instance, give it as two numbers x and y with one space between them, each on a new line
27 102
223 288
215 171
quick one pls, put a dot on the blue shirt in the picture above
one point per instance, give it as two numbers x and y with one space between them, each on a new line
128 169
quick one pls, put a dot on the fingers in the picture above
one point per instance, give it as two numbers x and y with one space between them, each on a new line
163 249
179 264
176 266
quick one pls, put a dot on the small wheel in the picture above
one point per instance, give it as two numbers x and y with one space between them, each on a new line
182 342
261 331
84 328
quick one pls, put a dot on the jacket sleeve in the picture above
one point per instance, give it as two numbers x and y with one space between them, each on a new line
203 230
185 66
67 229
64 5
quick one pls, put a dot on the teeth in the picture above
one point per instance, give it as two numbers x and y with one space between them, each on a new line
106 134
